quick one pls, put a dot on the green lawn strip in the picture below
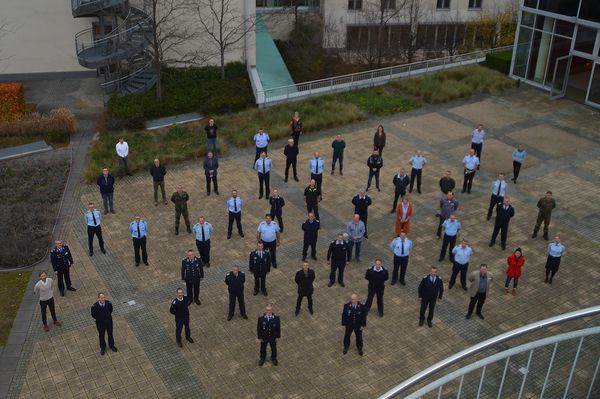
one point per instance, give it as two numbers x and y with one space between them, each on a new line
12 288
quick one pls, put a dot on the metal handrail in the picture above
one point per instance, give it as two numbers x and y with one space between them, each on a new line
446 363
146 66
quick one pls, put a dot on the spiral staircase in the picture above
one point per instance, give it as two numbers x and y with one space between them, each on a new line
117 46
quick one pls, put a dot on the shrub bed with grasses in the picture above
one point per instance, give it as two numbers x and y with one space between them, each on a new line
56 127
12 288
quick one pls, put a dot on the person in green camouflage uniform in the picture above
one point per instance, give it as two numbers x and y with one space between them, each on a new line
545 206
180 199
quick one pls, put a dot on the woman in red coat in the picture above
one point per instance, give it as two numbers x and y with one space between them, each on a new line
513 271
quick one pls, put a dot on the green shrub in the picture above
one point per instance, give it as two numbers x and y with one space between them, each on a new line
378 101
499 61
57 136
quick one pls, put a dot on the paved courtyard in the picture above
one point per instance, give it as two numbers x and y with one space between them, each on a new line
562 140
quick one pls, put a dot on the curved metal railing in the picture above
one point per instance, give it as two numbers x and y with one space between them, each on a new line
116 84
84 7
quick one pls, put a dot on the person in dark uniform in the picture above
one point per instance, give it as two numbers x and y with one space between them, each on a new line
430 290
311 231
277 203
312 197
102 313
296 127
361 203
376 275
235 280
291 158
192 272
180 199
354 318
375 163
259 264
337 257
179 308
211 164
268 329
504 212
401 181
62 260
92 219
304 279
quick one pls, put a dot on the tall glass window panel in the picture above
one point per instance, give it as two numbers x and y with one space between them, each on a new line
594 93
544 23
443 4
527 19
531 3
560 47
564 7
586 38
564 28
522 52
540 47
474 3
590 10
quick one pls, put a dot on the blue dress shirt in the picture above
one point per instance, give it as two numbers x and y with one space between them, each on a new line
260 162
133 229
417 161
519 156
477 137
462 255
89 219
499 184
316 166
556 250
208 229
268 231
399 249
261 140
451 228
237 201
471 162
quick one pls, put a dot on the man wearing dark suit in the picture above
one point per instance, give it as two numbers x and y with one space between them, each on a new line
504 212
260 265
337 257
361 203
179 308
304 279
211 164
354 318
277 203
376 275
61 260
192 272
106 182
102 313
268 329
401 181
311 230
430 290
291 155
235 280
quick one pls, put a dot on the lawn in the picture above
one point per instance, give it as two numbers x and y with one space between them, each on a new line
12 288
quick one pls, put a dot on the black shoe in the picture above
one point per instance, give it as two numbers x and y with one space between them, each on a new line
345 351
274 361
208 193
71 289
403 282
342 284
265 293
310 311
62 293
393 282
503 247
464 288
229 237
380 314
285 180
189 230
330 284
91 254
106 212
429 324
197 302
229 318
546 280
179 344
261 362
297 312
480 316
303 258
380 190
245 317
112 211
440 259
260 197
177 232
450 286
189 339
333 171
102 351
242 235
146 263
216 192
463 191
366 235
274 266
114 349
103 250
468 316
491 244
341 174
393 211
314 257
255 293
419 191
534 234
296 178
137 264
469 192
489 217
360 352
545 236
421 323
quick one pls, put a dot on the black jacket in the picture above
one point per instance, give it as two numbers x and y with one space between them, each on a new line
235 284
290 152
377 279
276 205
61 259
401 182
374 163
180 308
361 205
268 330
305 281
211 131
354 318
106 185
431 291
192 270
311 230
102 315
503 215
208 168
375 140
337 253
158 173
259 266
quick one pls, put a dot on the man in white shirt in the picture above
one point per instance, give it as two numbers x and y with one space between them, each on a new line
477 138
122 149
43 289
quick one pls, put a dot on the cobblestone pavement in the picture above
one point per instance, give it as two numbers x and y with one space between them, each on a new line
562 141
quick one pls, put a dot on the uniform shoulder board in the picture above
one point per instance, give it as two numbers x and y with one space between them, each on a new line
241 272
184 258
426 276
228 273
174 301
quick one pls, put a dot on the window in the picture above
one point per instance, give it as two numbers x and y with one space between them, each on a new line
389 4
564 7
586 37
590 10
443 4
354 4
474 3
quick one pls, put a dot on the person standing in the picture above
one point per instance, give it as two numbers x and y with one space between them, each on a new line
268 330
180 199
102 314
447 183
403 216
106 182
417 162
304 280
338 146
311 228
354 318
139 229
259 264
356 233
431 289
451 227
401 181
296 127
401 247
470 166
192 272
261 141
480 286
268 233
518 156
375 163
555 251
263 166
158 172
513 271
361 203
203 231
234 208
62 260
379 140
337 258
376 275
504 212
122 149
44 289
211 136
235 280
462 254
545 205
316 165
277 204
448 205
291 158
477 138
312 197
211 164
498 192
180 309
92 219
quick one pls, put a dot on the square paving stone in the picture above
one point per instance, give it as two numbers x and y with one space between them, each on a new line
489 113
434 128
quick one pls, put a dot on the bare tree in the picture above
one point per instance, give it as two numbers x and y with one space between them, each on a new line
414 16
4 30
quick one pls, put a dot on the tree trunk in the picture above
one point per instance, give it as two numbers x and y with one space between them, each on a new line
158 81
222 64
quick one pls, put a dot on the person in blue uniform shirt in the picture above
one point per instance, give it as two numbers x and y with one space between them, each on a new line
304 279
259 264
504 212
211 165
376 275
518 157
316 165
234 209
261 140
311 228
470 165
401 247
451 228
235 280
62 260
477 138
102 313
555 252
179 308
268 233
498 193
354 318
337 258
268 330
139 229
263 166
417 163
92 219
277 203
431 289
361 203
192 272
462 254
203 232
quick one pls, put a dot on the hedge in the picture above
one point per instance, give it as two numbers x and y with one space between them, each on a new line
499 61
12 101
36 124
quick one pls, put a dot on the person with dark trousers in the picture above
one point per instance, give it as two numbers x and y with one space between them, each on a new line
102 313
259 264
316 166
268 330
139 231
106 182
235 280
211 136
122 149
92 219
401 181
470 165
263 166
337 258
192 272
545 205
268 233
518 157
44 289
356 233
158 172
514 264
417 163
338 146
311 228
312 197
451 228
504 212
431 289
376 275
498 193
354 318
296 128
462 254
180 309
448 205
304 279
291 159
62 260
375 163
234 209
277 203
401 247
379 140
211 164
480 286
203 232
555 252
447 183
180 199
261 140
361 203
477 138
